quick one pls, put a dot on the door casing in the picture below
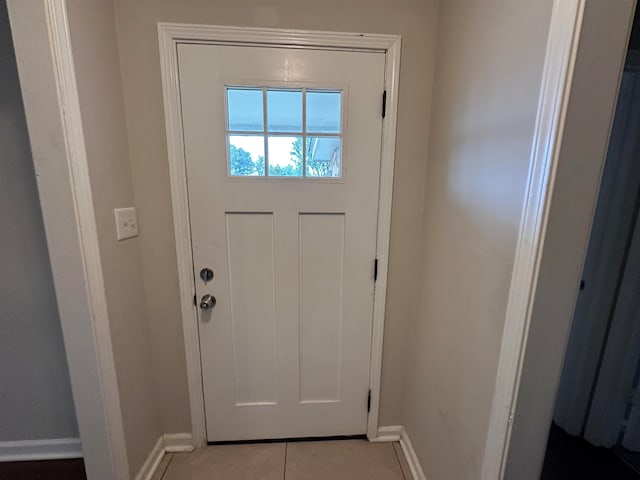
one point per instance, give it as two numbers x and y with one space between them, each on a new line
169 36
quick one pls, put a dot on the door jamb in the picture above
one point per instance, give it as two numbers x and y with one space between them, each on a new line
562 47
52 105
547 241
169 36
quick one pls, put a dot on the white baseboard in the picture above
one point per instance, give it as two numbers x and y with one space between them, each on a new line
46 449
397 433
150 465
178 442
412 459
167 443
388 434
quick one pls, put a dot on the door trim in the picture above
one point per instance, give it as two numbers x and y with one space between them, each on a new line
169 36
50 93
557 76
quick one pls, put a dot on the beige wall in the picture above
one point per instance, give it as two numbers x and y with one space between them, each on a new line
94 44
488 72
599 64
415 20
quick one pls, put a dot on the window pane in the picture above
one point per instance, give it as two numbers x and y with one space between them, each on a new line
244 106
324 157
246 155
285 156
284 111
323 112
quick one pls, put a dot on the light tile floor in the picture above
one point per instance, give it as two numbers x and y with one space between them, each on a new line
334 460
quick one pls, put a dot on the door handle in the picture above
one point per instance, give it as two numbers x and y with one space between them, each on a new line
207 302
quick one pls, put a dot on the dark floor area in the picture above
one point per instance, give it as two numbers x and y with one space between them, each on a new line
630 458
71 469
571 457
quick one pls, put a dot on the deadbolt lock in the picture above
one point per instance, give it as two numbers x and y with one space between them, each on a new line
206 274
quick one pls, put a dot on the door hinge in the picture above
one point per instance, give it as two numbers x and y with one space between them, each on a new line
195 300
510 419
369 402
375 270
384 104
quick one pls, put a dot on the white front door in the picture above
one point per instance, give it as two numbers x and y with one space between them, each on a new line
282 153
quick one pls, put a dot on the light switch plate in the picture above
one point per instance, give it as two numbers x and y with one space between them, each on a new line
126 222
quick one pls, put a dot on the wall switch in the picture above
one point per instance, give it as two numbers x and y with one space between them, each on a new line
126 223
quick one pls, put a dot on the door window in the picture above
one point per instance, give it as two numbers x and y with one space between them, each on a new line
284 132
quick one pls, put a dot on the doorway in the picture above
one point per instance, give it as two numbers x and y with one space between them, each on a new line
286 144
596 420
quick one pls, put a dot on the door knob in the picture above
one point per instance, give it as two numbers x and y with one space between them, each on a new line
207 302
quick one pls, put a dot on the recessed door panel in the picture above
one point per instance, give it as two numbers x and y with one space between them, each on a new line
321 246
251 290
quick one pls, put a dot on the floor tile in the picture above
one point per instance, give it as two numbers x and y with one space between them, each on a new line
162 467
263 461
342 460
404 465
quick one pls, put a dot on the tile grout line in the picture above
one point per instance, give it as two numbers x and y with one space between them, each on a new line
284 471
166 466
395 451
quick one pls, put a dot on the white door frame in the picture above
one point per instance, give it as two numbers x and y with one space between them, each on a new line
589 114
562 47
52 106
552 156
169 36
